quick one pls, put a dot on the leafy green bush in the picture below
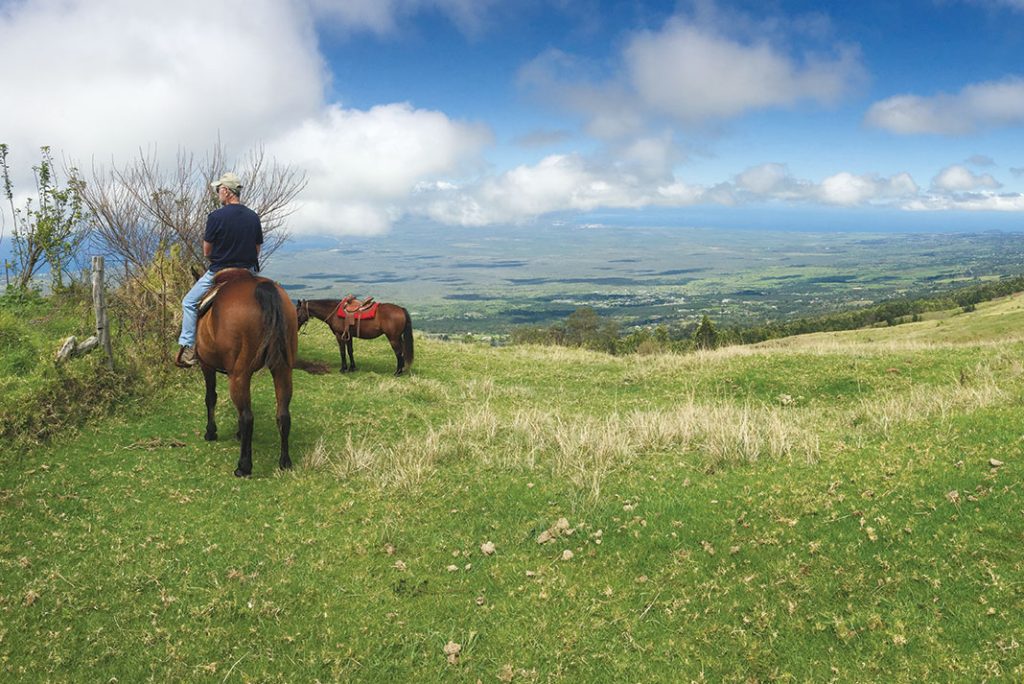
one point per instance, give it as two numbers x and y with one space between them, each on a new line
61 398
18 356
39 399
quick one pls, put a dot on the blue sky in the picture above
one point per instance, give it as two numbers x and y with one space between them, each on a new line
886 115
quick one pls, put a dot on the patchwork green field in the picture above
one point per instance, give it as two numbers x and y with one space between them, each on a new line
491 280
843 507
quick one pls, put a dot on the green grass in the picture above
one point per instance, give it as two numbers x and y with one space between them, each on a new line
809 510
39 398
993 322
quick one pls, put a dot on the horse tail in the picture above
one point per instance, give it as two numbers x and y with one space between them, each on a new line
273 349
407 350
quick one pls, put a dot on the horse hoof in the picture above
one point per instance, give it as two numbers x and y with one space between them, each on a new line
210 436
286 465
241 473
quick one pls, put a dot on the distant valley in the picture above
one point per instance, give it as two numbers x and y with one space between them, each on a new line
457 280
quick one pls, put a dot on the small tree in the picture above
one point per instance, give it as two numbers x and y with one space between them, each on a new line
586 328
705 336
581 326
143 209
50 230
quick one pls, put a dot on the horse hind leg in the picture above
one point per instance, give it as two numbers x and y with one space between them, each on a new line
242 400
283 392
396 346
211 404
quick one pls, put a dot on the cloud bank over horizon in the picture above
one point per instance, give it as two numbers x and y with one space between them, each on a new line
118 77
978 106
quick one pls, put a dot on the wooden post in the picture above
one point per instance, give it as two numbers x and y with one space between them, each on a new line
100 306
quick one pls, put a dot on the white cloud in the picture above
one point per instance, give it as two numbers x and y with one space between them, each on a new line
107 78
763 179
651 157
556 183
573 183
773 181
900 185
847 189
958 178
569 81
985 201
980 106
118 76
692 72
695 74
364 165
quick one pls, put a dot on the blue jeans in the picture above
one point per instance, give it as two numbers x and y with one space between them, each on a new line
190 309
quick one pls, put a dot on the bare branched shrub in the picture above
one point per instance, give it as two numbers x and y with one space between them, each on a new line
143 208
151 220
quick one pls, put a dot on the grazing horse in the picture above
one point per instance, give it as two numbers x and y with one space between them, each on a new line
251 324
391 320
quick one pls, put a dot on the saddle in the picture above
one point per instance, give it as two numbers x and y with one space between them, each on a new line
220 279
351 309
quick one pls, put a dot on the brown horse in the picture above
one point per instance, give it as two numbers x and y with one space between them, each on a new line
391 320
250 325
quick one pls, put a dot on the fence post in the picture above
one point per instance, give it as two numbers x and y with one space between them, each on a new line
100 306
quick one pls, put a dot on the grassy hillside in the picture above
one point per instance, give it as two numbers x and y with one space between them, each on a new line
995 322
843 507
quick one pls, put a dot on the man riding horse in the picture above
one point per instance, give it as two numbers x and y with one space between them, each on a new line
232 239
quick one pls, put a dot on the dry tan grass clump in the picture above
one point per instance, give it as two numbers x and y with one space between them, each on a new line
888 411
581 449
503 426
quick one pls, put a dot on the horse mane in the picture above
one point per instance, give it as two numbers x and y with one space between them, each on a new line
273 349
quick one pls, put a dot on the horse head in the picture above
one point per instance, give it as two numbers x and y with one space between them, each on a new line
302 309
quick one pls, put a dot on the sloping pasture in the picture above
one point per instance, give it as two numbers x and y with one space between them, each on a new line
838 509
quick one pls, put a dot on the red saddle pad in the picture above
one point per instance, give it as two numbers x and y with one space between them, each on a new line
358 315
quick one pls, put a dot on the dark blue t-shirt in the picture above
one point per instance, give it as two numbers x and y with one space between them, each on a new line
234 231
